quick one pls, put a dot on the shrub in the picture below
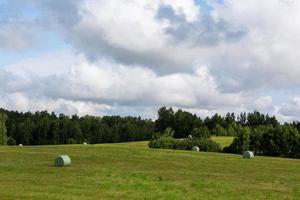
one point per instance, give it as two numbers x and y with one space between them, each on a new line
205 145
162 143
167 142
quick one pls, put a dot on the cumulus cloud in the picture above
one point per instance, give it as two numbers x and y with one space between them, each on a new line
109 83
22 101
135 55
126 31
291 109
238 41
268 51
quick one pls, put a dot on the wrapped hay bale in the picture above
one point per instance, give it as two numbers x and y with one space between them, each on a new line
248 155
195 148
62 160
20 145
84 143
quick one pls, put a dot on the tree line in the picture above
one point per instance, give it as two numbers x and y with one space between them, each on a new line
254 131
42 128
280 140
183 122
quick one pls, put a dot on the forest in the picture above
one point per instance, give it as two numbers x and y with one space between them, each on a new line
41 128
254 131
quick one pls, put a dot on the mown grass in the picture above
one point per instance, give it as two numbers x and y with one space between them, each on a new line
132 171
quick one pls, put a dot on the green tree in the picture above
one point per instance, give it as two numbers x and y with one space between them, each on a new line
168 132
219 130
213 121
202 132
243 138
229 119
231 129
3 137
165 119
242 119
241 142
53 135
75 132
184 123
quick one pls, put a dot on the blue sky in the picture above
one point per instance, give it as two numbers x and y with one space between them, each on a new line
120 57
46 42
27 12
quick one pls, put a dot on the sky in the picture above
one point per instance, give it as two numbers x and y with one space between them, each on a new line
131 57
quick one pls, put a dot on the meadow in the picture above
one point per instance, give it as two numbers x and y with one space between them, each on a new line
224 141
133 171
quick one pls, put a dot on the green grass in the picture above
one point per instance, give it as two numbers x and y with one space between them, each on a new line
224 141
132 171
141 144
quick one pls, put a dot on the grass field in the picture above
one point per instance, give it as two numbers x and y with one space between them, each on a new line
132 171
224 141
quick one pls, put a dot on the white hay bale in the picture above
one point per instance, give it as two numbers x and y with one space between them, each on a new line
195 148
248 154
84 143
62 160
20 145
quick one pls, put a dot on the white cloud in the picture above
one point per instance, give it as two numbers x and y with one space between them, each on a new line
291 109
268 51
264 104
239 41
132 36
106 83
135 55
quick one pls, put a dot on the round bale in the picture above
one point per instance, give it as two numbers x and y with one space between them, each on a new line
20 145
248 154
84 143
195 148
62 160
